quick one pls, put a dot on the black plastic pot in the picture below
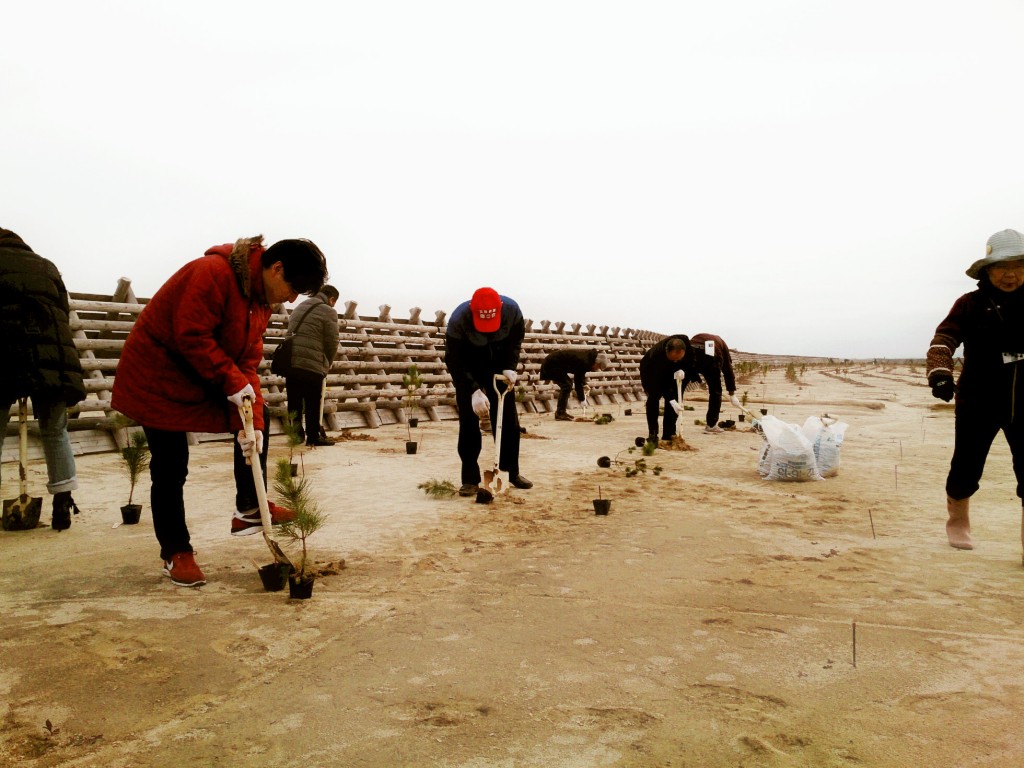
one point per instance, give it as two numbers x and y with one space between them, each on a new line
300 589
604 462
742 417
295 470
414 422
601 506
130 513
639 442
410 446
275 576
628 412
764 411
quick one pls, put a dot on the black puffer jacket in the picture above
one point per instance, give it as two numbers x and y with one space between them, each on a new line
38 354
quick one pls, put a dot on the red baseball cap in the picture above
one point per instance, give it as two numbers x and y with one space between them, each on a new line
486 309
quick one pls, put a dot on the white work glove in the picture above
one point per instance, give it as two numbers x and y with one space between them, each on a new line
237 397
511 376
246 444
481 406
679 375
585 403
675 406
735 401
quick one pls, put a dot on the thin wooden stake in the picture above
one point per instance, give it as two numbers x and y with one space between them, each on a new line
855 643
901 450
872 519
896 475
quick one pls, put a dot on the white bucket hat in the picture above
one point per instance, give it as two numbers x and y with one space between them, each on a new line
1002 246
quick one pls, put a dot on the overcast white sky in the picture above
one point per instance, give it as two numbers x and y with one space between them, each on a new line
799 177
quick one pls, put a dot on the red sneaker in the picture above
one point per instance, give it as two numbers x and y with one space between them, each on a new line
183 571
248 522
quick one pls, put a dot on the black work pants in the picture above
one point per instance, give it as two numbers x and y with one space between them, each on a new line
305 388
470 441
168 469
976 428
564 390
652 407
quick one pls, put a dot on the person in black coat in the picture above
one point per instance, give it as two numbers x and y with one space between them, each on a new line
484 338
660 367
577 362
40 361
714 365
989 323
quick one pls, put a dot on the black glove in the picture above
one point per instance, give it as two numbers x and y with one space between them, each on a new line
943 388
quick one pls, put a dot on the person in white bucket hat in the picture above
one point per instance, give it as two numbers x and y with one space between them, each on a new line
989 322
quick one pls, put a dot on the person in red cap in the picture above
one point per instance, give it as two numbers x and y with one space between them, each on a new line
484 338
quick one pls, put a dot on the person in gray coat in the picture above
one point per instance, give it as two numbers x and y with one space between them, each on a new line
314 325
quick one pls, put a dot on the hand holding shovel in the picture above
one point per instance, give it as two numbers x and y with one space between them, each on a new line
677 404
245 410
495 481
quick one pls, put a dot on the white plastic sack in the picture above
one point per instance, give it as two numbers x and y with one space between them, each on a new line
826 437
788 454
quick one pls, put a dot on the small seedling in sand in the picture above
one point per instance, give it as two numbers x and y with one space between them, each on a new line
411 381
604 418
639 468
438 489
290 428
136 460
296 496
650 448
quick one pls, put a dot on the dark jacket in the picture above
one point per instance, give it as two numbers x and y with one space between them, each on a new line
577 361
472 358
656 370
713 367
316 340
199 340
37 351
990 324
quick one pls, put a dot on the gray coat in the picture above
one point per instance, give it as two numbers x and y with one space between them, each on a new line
316 342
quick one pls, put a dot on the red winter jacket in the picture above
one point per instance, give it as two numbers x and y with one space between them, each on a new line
199 339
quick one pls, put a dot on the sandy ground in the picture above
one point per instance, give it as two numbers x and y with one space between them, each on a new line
707 621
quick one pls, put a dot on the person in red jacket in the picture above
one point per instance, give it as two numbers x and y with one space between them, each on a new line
189 360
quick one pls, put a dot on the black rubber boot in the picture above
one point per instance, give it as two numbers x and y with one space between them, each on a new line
63 505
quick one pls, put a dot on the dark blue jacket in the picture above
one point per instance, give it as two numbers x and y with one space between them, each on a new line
472 358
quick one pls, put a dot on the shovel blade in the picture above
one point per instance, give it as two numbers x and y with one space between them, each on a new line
495 481
278 553
22 513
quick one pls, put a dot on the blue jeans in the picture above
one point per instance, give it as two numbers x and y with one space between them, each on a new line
53 429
